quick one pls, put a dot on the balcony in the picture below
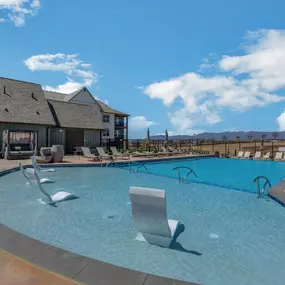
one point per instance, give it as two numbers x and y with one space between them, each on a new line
119 124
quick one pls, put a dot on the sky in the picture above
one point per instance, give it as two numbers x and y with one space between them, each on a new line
186 66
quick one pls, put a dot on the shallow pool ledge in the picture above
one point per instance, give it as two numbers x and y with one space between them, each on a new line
277 193
73 266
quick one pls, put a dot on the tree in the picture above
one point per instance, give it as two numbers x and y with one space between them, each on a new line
224 138
264 136
238 140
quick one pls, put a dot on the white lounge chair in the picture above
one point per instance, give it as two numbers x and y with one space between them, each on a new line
102 154
172 150
257 155
278 156
87 153
246 155
116 153
267 155
240 154
150 216
164 151
46 198
28 174
38 168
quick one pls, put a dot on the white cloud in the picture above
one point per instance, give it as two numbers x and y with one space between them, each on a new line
17 10
281 121
240 83
78 73
140 123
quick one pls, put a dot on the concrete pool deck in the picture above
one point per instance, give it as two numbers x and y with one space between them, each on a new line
27 261
70 160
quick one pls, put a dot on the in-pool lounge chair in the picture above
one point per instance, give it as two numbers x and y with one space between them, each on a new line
46 198
28 173
118 154
150 216
266 156
240 154
87 153
278 156
103 154
257 155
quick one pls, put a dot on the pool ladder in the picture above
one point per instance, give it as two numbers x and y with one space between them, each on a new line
180 180
142 165
110 162
261 191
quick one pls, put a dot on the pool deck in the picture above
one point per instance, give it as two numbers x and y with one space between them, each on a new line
27 261
81 160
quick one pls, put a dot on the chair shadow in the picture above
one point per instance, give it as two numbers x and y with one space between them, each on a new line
175 245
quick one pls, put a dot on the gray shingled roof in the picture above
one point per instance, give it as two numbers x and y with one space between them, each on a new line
107 109
51 95
23 102
74 115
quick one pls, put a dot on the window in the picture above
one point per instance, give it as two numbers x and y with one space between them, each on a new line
106 133
106 118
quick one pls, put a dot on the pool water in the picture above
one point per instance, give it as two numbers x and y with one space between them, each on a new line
230 237
230 173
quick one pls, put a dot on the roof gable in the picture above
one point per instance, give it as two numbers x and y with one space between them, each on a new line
23 102
107 109
74 115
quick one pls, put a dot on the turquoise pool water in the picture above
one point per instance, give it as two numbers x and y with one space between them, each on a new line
230 173
230 237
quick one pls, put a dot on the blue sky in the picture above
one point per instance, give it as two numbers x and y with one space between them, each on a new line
188 66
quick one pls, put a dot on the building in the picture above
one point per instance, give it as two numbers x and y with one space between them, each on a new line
115 123
74 119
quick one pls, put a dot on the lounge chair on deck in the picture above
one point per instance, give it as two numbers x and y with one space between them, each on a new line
164 151
257 155
240 154
150 216
246 155
266 156
87 153
143 154
174 151
278 156
103 154
38 168
116 153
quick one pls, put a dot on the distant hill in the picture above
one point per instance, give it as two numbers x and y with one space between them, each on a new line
229 135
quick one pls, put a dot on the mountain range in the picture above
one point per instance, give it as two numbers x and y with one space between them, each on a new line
229 136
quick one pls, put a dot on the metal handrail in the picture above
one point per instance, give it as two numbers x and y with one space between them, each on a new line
188 173
140 167
261 192
112 161
136 170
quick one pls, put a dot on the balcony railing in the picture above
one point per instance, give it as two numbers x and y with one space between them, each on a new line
119 136
120 124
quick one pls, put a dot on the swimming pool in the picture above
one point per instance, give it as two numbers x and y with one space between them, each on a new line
230 173
230 237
